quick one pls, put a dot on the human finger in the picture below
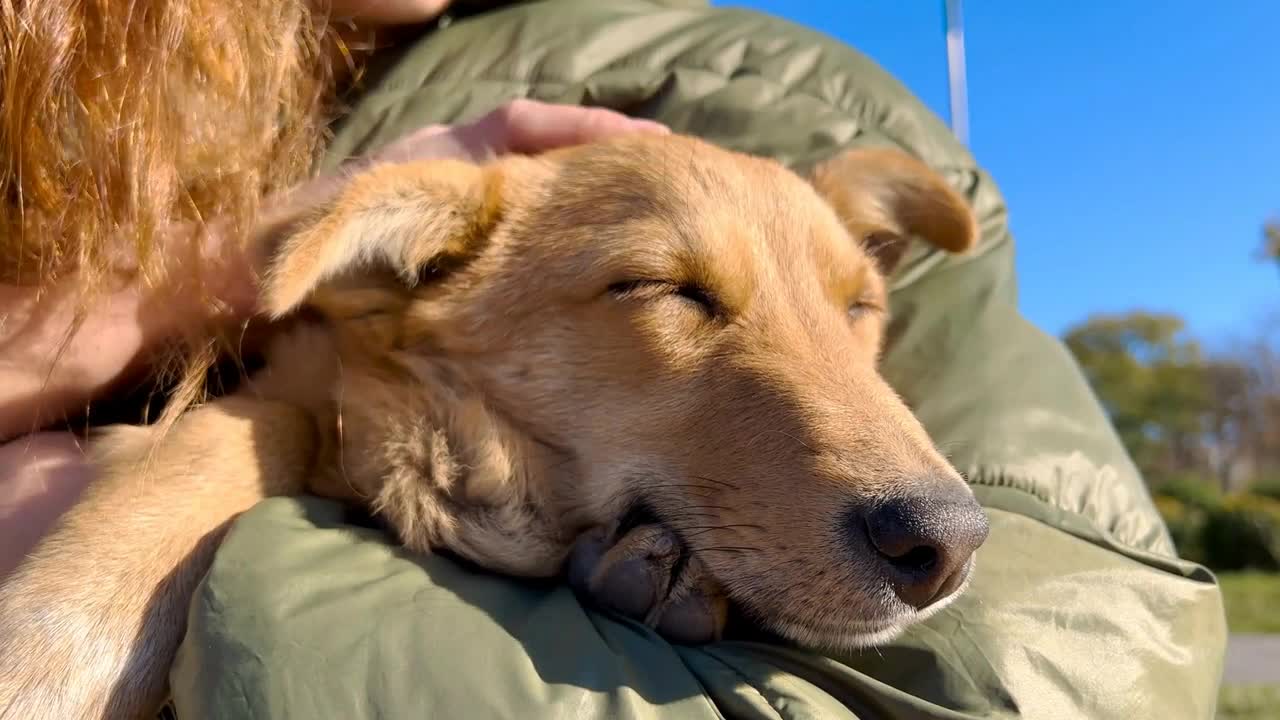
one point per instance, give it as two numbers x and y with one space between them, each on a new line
532 126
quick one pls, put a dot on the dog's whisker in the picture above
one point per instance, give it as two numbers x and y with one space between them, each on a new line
338 417
756 438
692 493
677 524
699 507
729 548
689 533
659 484
675 520
723 483
688 481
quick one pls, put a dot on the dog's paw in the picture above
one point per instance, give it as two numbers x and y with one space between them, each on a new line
646 573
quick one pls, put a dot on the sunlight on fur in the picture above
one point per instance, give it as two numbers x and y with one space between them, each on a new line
650 363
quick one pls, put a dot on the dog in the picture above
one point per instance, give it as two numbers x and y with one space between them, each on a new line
649 363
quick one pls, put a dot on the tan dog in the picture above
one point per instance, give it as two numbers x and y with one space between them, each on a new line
661 350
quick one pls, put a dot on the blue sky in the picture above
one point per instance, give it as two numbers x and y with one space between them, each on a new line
1137 143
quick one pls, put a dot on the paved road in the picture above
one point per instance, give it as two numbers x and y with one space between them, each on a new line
1252 659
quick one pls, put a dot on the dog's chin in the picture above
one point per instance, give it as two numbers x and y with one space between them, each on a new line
839 637
828 634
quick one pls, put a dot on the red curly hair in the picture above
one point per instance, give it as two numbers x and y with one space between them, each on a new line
120 118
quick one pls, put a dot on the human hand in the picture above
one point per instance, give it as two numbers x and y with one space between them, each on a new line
520 126
387 12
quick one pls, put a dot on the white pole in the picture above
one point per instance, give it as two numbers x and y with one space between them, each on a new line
959 92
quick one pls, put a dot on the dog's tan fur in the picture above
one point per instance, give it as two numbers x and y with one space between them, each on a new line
505 361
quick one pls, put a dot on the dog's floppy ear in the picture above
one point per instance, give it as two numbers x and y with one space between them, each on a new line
884 197
404 217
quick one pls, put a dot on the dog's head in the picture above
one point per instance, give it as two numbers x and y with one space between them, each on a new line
649 321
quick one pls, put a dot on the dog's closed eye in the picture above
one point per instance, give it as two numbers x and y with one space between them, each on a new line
865 306
646 290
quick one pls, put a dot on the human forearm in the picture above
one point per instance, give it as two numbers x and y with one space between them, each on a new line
54 363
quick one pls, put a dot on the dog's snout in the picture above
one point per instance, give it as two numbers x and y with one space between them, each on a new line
924 541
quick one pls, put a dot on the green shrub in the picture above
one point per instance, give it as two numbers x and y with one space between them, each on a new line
1243 532
1251 598
1186 526
1268 486
1248 702
1232 532
1192 489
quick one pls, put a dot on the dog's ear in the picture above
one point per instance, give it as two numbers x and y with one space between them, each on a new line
408 218
884 197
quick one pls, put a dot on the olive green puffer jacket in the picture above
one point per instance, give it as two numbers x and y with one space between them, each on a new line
1079 609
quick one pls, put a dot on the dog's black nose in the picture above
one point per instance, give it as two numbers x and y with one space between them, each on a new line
924 540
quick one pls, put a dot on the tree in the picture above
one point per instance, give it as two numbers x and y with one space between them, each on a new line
1271 241
1152 380
1180 411
1232 422
1248 402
